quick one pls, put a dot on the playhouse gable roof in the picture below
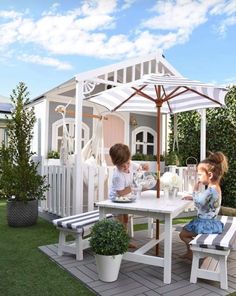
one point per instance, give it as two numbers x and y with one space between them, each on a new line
98 80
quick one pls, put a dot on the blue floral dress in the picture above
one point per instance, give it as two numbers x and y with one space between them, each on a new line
208 205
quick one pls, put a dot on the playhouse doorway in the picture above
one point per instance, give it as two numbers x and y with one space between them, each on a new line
113 130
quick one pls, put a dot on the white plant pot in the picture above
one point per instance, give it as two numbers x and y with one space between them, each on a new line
52 161
108 267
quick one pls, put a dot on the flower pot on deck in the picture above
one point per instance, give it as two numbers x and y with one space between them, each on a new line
108 267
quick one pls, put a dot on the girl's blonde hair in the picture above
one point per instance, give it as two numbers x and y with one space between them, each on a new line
216 163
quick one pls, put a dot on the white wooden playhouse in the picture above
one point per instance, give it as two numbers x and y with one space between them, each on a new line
67 194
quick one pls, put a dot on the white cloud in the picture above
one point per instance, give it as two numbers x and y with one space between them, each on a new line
222 28
52 10
147 42
94 22
8 32
224 7
127 4
228 9
9 14
180 14
63 33
88 29
46 61
96 7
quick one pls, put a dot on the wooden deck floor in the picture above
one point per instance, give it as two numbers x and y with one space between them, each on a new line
143 280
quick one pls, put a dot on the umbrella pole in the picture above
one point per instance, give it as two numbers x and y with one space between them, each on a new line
158 169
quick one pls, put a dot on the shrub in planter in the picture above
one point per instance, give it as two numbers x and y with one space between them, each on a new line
20 182
109 241
109 237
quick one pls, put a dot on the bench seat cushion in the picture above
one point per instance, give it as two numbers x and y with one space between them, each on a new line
78 222
223 241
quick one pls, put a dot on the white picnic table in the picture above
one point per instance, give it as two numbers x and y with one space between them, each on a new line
150 206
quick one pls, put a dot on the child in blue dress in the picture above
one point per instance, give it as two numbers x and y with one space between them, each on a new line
208 202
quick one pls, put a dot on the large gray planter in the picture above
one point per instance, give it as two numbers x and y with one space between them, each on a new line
20 213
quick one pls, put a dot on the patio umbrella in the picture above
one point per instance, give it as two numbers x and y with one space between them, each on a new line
161 94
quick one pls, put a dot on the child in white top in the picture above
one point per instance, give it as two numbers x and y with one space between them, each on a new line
123 174
122 179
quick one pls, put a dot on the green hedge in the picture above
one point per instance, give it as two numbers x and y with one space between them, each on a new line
221 136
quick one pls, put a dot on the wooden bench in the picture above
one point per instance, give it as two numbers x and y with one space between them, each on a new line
216 246
78 226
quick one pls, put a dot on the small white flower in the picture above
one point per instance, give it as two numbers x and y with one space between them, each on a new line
170 180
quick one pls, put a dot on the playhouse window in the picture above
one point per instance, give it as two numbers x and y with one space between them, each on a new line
144 140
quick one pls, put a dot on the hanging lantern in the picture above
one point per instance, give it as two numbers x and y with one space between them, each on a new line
190 174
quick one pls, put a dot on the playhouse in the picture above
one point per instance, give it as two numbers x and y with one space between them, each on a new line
138 130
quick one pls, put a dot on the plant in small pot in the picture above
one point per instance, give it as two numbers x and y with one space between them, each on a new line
20 182
53 158
53 154
109 241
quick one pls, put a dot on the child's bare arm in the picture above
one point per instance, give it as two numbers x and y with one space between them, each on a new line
124 191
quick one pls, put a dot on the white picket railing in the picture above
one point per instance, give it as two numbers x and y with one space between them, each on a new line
60 198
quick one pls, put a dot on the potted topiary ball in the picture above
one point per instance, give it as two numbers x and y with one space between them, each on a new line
109 241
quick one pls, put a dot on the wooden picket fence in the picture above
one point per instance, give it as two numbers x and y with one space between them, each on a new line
60 198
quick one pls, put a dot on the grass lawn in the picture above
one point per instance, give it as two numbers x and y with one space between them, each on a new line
24 270
144 226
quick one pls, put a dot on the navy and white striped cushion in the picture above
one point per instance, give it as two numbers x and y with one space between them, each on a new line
223 241
79 222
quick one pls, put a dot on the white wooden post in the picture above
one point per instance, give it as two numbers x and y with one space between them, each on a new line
78 189
203 134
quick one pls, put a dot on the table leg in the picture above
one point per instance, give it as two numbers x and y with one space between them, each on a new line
102 213
167 249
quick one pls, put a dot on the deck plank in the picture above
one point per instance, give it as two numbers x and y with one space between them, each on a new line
141 279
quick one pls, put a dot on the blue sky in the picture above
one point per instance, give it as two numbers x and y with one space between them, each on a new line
45 43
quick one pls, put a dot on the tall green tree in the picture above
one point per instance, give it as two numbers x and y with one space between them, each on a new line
19 177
